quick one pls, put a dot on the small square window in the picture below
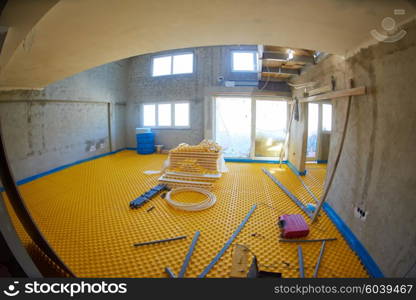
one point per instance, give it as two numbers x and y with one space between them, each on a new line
173 64
149 115
162 65
183 63
244 61
164 115
326 117
182 114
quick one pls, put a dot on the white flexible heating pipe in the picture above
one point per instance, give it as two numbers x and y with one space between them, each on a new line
207 203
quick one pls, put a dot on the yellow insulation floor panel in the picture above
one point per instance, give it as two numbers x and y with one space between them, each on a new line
84 213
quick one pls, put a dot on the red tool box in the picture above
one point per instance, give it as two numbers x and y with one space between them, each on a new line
293 226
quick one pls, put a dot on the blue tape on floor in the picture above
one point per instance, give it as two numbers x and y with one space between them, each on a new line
321 161
354 243
34 177
227 244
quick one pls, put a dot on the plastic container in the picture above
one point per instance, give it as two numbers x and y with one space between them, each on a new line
145 143
143 130
293 226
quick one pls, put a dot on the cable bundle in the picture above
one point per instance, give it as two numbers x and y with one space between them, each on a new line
207 203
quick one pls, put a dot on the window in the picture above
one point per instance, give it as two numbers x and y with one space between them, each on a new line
183 64
149 115
244 61
326 117
164 115
162 65
182 114
173 64
174 115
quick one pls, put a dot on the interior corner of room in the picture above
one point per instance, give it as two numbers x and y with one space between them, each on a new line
318 122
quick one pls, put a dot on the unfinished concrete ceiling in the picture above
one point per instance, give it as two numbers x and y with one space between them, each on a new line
70 36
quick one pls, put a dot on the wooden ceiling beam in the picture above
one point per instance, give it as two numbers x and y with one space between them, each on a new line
280 70
283 57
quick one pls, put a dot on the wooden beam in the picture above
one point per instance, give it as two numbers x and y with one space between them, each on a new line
320 90
358 91
279 70
283 57
282 79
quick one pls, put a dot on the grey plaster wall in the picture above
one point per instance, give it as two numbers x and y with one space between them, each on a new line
41 134
210 64
376 170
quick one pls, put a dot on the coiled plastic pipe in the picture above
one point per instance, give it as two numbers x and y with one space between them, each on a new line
207 203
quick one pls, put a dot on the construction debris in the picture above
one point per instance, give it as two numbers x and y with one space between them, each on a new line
160 241
146 197
321 253
306 241
194 166
288 193
150 209
300 261
239 262
227 244
254 271
188 255
170 272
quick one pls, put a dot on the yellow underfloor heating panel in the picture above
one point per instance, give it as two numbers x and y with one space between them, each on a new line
84 213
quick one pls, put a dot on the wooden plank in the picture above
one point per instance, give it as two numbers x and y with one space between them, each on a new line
239 262
283 64
265 75
358 91
163 179
270 48
279 70
208 176
283 57
320 90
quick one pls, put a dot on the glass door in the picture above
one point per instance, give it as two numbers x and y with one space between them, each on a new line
270 128
313 124
233 125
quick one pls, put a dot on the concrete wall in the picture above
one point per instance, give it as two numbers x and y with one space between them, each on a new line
210 63
376 170
41 133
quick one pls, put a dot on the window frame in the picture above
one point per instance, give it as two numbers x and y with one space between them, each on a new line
255 61
172 55
172 113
